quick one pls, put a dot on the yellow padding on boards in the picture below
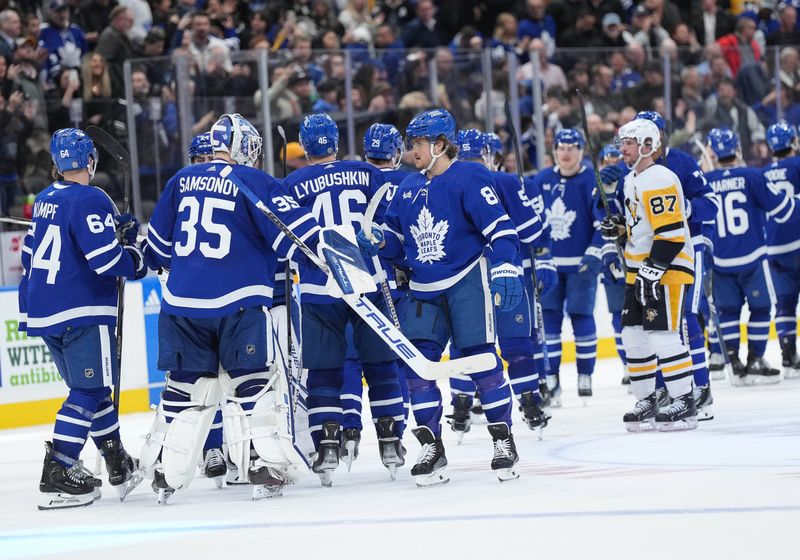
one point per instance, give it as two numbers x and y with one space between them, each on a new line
29 413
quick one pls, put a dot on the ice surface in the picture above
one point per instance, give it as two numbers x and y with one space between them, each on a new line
730 489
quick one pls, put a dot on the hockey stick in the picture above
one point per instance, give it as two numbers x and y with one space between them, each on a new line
366 225
119 153
597 179
708 289
703 154
537 304
16 221
373 318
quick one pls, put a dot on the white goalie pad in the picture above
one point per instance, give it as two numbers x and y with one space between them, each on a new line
180 442
349 274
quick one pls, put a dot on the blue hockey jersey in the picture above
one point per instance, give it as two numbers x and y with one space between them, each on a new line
442 226
220 249
520 209
72 258
393 177
703 202
337 193
748 201
783 175
65 47
570 214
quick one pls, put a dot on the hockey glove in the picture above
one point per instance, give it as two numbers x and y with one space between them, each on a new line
609 177
140 270
506 286
546 272
612 268
127 228
368 247
612 227
591 262
646 287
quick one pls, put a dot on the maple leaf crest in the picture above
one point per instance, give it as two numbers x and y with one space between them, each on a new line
560 220
429 236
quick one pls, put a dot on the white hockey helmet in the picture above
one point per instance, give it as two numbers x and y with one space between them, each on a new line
644 132
233 134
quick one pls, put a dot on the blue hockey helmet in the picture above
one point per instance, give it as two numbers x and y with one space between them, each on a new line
655 118
492 145
234 135
71 150
723 142
432 124
781 136
319 135
470 143
610 151
382 141
569 136
201 145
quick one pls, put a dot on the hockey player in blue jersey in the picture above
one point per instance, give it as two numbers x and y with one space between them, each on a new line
337 192
514 326
741 272
200 150
440 222
383 148
77 246
221 253
577 249
783 244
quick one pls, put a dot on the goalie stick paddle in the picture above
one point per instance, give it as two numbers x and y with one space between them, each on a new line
366 225
537 304
120 154
371 315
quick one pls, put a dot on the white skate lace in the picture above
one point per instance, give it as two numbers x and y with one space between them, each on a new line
78 473
677 405
214 458
427 453
502 448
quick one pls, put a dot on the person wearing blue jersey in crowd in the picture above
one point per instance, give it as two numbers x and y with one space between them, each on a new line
569 206
338 192
438 224
514 326
741 272
204 225
783 243
383 148
78 245
200 150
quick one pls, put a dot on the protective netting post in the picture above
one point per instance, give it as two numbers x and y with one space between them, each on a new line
184 96
513 92
268 158
348 96
667 62
538 116
433 78
133 148
486 60
778 86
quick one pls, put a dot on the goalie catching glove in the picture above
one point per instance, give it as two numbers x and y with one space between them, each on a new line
646 285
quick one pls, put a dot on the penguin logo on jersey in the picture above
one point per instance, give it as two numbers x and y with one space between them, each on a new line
560 220
429 236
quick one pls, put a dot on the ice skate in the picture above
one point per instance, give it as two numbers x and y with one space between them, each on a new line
232 477
389 445
544 392
626 379
716 366
584 387
790 359
460 420
678 416
63 487
214 466
554 386
662 398
431 461
739 369
348 452
704 403
759 372
505 456
160 486
327 457
642 417
534 417
477 409
267 481
123 470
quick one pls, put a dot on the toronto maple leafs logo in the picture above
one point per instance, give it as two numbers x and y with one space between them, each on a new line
560 220
429 236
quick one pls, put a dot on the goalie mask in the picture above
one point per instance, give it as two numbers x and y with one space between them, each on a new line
234 135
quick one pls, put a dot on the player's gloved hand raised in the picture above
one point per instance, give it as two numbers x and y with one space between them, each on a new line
127 228
369 248
140 270
506 286
591 262
609 176
546 272
612 268
646 287
612 227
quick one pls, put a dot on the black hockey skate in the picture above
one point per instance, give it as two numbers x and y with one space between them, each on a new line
738 368
348 451
626 379
584 387
267 481
63 487
704 403
554 385
505 456
716 367
389 445
123 470
534 417
431 461
678 416
662 398
642 417
214 465
477 408
460 420
327 458
789 358
160 486
759 372
544 392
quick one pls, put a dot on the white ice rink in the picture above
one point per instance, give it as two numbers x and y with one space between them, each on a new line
729 490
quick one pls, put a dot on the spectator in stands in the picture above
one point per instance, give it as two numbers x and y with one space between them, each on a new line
787 33
96 89
302 58
725 110
424 31
8 73
334 67
739 48
142 19
583 34
602 100
27 79
202 43
790 68
16 118
767 108
641 95
356 15
536 23
31 25
551 74
614 34
282 102
390 52
159 70
324 16
710 22
329 40
257 30
115 47
300 85
328 101
505 32
59 99
647 32
690 51
692 90
624 76
10 30
93 17
64 41
665 14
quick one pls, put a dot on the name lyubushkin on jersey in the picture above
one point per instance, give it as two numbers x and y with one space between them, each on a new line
434 246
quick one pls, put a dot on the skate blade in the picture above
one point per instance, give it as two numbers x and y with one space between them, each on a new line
705 414
127 487
392 471
630 389
164 494
350 454
326 478
62 500
791 373
218 480
539 432
755 380
436 478
264 492
585 399
679 426
718 375
555 402
504 475
638 427
460 437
